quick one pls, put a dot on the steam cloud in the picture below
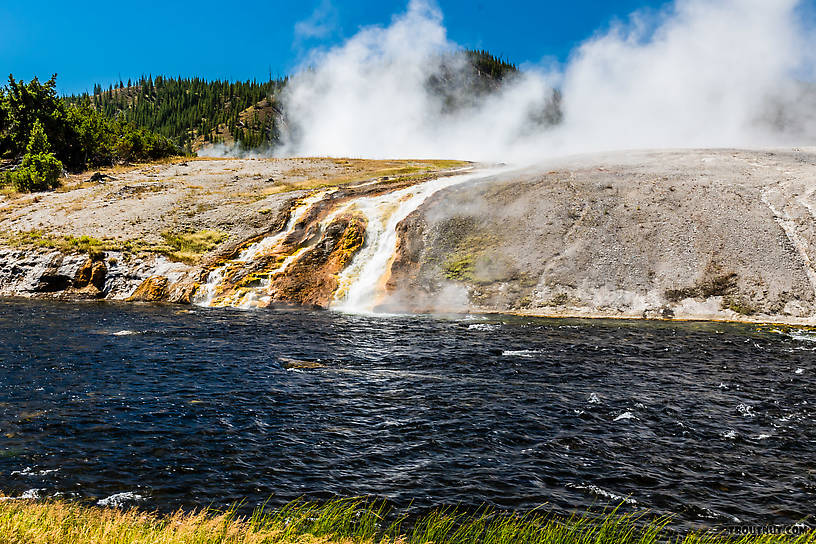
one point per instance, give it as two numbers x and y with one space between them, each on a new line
702 73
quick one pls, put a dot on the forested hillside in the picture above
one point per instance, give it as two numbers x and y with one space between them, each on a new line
193 112
43 134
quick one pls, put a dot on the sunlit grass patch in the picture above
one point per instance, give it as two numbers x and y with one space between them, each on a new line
190 246
67 244
186 247
346 521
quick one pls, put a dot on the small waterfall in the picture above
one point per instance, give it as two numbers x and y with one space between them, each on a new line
271 242
363 281
360 284
208 293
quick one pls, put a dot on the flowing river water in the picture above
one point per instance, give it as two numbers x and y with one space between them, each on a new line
162 406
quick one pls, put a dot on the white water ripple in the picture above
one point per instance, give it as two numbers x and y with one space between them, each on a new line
118 500
521 352
595 490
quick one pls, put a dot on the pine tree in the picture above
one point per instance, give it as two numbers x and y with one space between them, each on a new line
40 169
38 141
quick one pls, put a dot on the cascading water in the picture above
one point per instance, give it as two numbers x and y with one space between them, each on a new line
362 283
208 294
271 242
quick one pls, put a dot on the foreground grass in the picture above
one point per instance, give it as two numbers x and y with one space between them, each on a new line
341 521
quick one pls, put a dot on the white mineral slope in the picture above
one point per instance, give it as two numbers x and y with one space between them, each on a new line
719 234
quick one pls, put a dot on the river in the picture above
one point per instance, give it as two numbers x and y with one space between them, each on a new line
166 406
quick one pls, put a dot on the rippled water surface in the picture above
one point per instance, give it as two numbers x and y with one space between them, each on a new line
177 407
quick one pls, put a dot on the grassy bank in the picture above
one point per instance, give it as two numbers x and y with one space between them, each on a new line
343 521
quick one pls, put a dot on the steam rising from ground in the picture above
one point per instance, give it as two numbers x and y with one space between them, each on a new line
701 73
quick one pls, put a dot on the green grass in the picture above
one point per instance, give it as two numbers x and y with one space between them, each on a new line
190 246
180 246
473 255
66 244
740 305
460 267
344 521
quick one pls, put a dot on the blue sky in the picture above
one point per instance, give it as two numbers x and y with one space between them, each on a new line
95 41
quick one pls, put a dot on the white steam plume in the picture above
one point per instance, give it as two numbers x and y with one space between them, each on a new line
703 73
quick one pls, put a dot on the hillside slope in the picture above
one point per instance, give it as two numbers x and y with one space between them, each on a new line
175 221
250 115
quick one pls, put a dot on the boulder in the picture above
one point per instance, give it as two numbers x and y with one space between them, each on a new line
153 289
291 364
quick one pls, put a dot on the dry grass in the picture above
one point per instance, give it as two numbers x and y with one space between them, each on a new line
345 522
362 170
28 522
76 181
186 247
66 244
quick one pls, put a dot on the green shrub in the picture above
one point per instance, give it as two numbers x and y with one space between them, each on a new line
38 172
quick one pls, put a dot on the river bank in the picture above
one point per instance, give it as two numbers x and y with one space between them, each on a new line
720 235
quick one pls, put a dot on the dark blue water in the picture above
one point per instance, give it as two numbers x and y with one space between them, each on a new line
185 407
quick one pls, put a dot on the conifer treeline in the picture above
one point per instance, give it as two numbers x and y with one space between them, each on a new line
185 109
41 133
490 65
